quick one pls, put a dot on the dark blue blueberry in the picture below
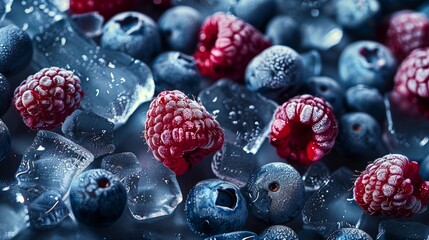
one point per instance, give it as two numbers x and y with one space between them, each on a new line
179 28
328 89
424 168
368 63
215 206
16 49
359 134
276 69
240 235
255 12
97 198
358 15
278 232
366 99
175 70
133 33
48 210
349 234
275 193
4 140
284 30
6 95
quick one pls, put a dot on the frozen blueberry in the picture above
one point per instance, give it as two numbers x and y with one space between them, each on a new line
283 30
359 134
133 33
176 71
366 99
368 63
239 235
4 140
97 198
179 28
215 206
276 69
349 234
6 95
359 15
278 232
16 49
328 89
255 12
275 193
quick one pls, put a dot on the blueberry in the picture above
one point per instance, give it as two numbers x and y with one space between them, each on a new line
359 15
215 206
359 134
278 232
4 140
366 99
349 234
276 69
368 63
284 30
16 49
328 89
255 12
97 198
275 193
133 33
239 235
176 71
5 95
179 28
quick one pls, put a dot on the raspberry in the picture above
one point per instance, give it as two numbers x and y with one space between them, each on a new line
46 98
226 45
106 8
406 31
180 131
304 129
392 186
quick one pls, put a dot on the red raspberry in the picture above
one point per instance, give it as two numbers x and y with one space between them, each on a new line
226 45
106 8
392 186
180 131
304 129
406 31
46 98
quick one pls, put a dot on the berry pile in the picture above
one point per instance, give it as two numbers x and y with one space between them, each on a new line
348 81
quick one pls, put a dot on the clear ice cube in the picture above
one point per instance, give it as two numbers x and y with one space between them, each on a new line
13 212
91 131
62 5
48 210
316 176
90 23
244 115
233 164
114 83
121 164
50 163
391 230
153 192
332 206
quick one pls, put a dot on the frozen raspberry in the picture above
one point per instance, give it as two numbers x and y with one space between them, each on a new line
46 98
106 8
392 186
406 31
180 131
226 45
304 129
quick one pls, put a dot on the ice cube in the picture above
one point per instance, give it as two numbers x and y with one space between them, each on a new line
153 192
91 131
50 163
121 164
316 176
62 5
233 164
14 217
244 115
332 206
48 210
391 229
90 23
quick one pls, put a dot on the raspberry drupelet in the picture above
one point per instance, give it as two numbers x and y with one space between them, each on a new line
304 129
392 186
47 98
180 132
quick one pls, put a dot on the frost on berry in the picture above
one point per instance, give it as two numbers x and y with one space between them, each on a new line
392 186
